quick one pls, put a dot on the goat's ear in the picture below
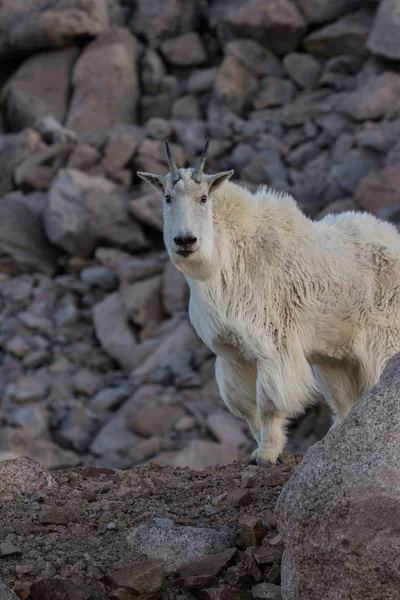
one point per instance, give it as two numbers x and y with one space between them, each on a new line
157 181
214 181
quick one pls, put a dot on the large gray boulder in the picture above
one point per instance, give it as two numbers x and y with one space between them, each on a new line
339 514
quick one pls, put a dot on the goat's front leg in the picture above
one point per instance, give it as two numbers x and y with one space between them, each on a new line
283 388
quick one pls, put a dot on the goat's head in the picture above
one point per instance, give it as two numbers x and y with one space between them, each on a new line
188 211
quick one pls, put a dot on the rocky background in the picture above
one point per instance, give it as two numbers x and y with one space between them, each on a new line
98 363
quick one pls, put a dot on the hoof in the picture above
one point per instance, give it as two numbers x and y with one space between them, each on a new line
252 461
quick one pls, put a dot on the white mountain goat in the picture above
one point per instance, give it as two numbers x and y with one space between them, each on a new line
284 302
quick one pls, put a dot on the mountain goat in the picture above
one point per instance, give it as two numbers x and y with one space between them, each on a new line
287 304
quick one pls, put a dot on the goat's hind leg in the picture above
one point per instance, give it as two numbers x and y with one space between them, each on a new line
341 384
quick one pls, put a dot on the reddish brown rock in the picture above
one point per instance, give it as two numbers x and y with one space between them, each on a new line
143 577
155 420
251 529
203 573
59 516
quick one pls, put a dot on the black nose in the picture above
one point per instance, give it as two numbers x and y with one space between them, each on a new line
185 242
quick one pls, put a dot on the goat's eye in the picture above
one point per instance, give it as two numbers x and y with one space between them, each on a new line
203 199
168 199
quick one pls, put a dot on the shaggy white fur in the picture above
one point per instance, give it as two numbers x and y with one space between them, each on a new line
287 304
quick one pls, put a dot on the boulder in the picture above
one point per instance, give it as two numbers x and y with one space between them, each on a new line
113 331
277 24
379 192
142 300
346 36
30 25
6 593
322 11
143 577
40 88
148 209
175 290
339 513
105 82
23 245
186 50
234 84
84 211
23 476
385 34
161 19
177 545
255 57
302 68
377 98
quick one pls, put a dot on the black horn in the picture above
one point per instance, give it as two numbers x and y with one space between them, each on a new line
199 168
173 169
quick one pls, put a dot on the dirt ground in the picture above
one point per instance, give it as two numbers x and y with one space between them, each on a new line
77 528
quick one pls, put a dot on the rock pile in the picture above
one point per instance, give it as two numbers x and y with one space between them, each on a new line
99 363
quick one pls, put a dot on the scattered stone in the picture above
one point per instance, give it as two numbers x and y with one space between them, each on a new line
252 531
8 549
203 573
239 497
86 382
178 545
59 516
255 57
